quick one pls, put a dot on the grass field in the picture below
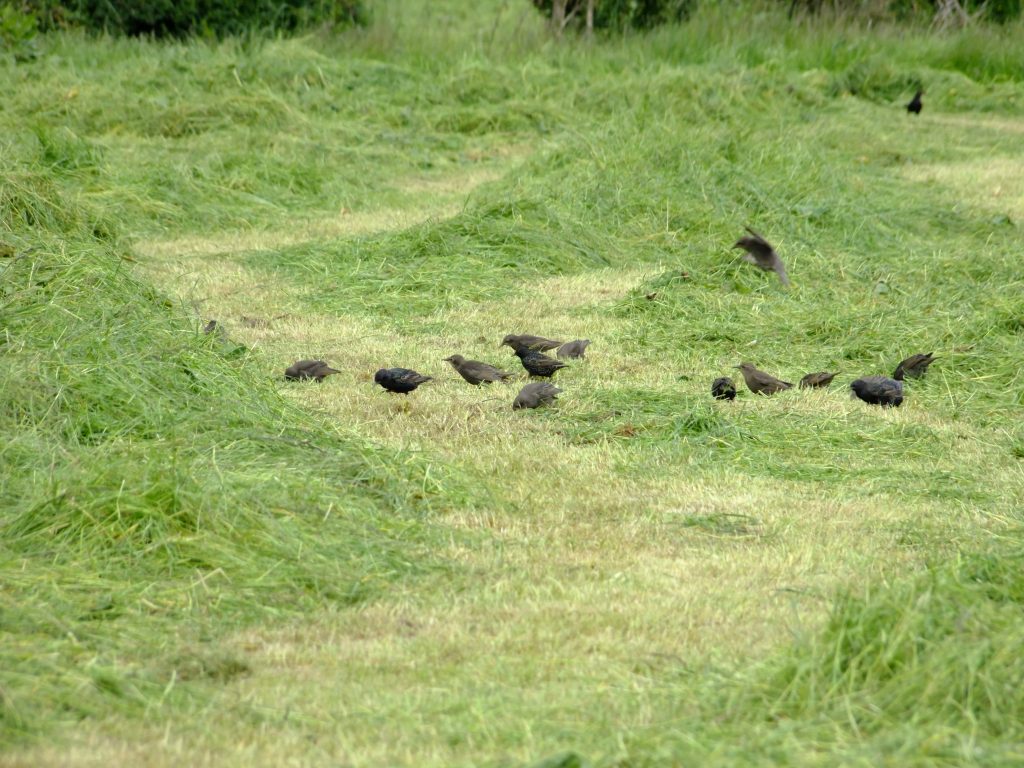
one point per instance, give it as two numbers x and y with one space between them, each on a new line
202 564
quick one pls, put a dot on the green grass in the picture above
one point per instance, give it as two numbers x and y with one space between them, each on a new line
153 486
201 564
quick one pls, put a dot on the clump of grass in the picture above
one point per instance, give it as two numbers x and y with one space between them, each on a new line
483 254
724 524
926 664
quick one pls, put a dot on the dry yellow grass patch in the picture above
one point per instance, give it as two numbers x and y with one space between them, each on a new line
995 184
443 197
999 124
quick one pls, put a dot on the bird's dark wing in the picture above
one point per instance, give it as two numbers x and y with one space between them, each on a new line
412 377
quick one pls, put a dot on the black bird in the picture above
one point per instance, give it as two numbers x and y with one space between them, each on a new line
535 395
913 367
537 363
761 383
526 341
308 369
573 349
816 380
723 389
476 372
760 253
401 381
915 103
878 390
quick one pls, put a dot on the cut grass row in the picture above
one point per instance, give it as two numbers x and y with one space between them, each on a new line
155 492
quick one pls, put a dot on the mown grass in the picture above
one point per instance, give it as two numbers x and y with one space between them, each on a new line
153 487
203 566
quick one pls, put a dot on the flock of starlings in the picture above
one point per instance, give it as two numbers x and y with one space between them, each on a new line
876 390
529 349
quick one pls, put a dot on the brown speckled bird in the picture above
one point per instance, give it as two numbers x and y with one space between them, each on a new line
761 383
526 341
760 253
535 395
816 380
914 367
573 349
878 390
539 364
308 369
476 372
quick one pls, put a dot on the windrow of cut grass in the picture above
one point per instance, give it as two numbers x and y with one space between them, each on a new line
156 493
919 672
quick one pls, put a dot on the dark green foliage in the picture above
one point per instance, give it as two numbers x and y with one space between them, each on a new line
625 14
999 11
18 28
180 18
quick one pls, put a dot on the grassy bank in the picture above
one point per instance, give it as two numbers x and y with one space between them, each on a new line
157 493
204 564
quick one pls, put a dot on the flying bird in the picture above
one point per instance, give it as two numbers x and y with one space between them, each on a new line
537 363
308 369
816 380
573 349
401 381
526 341
760 253
761 383
476 372
878 390
913 367
915 103
723 389
535 395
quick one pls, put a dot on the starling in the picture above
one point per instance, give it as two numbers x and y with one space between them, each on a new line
816 380
308 369
537 363
760 253
723 388
915 103
476 372
573 349
761 383
535 395
878 390
401 381
914 366
526 341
